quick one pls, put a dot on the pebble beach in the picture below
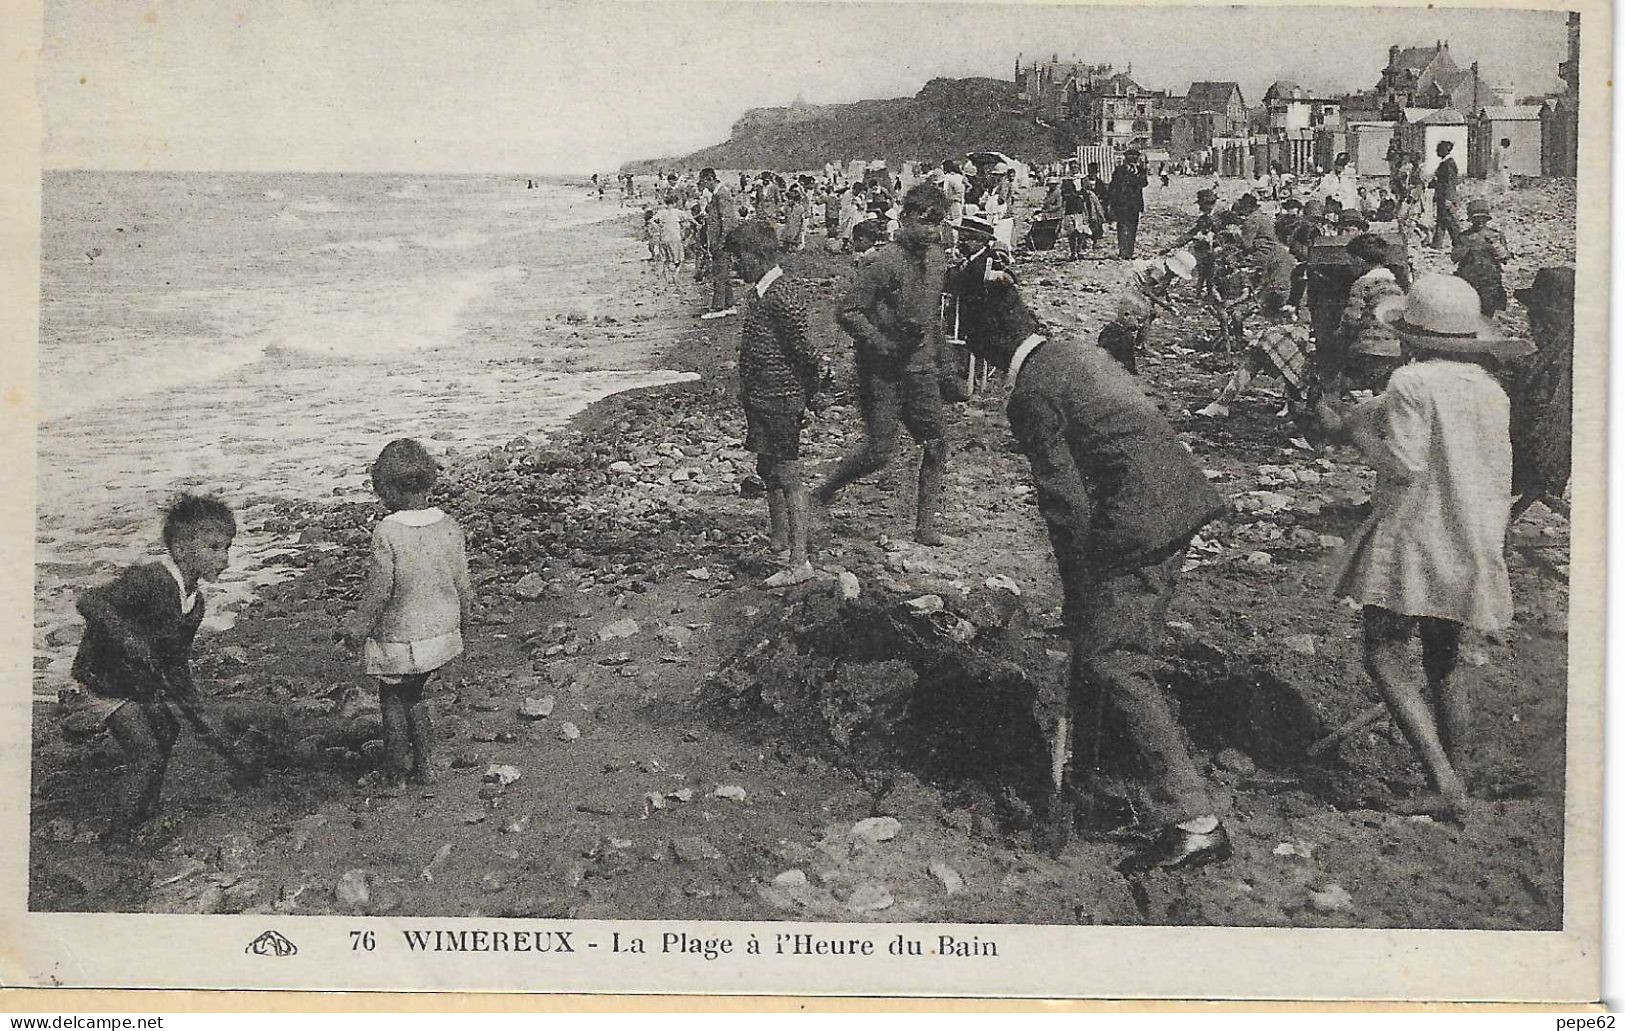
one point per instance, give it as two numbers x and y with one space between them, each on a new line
639 731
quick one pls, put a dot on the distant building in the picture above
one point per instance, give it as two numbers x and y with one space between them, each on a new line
1051 88
1223 102
1119 112
1422 129
1560 118
1289 116
1519 125
1417 77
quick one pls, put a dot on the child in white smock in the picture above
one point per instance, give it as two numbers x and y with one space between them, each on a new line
1429 558
418 598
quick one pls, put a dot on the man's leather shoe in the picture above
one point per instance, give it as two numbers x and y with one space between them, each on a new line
1176 849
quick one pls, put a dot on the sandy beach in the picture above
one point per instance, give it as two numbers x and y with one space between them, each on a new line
691 746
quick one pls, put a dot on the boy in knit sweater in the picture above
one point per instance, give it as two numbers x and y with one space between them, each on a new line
778 381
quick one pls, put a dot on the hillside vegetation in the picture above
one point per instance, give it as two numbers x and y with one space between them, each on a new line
947 118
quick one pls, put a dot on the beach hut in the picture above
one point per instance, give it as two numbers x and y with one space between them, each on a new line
1102 154
1422 129
1489 126
1368 144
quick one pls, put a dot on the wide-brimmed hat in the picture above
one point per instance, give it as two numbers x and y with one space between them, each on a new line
1053 180
1181 263
1553 288
1441 313
1478 206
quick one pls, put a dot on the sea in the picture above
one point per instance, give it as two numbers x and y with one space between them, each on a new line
261 336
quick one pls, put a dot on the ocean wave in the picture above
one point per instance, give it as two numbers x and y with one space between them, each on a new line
404 317
150 373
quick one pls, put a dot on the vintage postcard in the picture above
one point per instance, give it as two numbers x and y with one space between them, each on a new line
915 499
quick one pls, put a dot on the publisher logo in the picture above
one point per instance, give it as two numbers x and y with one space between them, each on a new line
270 943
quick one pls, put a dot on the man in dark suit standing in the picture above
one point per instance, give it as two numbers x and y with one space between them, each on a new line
721 216
1122 499
1127 196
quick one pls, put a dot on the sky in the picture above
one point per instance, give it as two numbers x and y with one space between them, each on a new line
577 87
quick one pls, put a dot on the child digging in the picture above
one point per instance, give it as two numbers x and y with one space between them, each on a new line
409 622
136 654
1429 559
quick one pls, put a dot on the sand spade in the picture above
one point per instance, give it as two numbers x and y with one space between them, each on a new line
244 771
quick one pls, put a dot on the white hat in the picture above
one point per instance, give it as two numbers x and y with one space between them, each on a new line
1181 263
1441 313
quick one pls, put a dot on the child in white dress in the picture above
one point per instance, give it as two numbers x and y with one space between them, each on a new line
1429 559
418 598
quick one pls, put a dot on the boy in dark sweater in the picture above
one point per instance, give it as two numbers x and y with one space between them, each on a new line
137 648
778 381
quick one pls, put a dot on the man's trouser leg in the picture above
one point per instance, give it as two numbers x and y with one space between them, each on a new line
1127 228
722 292
1114 662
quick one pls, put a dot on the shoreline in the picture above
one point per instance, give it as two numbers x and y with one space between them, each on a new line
627 595
525 334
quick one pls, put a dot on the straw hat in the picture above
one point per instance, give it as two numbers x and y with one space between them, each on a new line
1478 207
1441 313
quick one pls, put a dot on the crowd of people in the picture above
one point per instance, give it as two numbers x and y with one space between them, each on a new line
1409 371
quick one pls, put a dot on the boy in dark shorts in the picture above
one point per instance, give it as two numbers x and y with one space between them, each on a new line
893 313
778 380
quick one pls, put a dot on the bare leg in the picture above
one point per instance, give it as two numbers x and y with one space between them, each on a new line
132 728
1385 662
794 495
1441 652
933 470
